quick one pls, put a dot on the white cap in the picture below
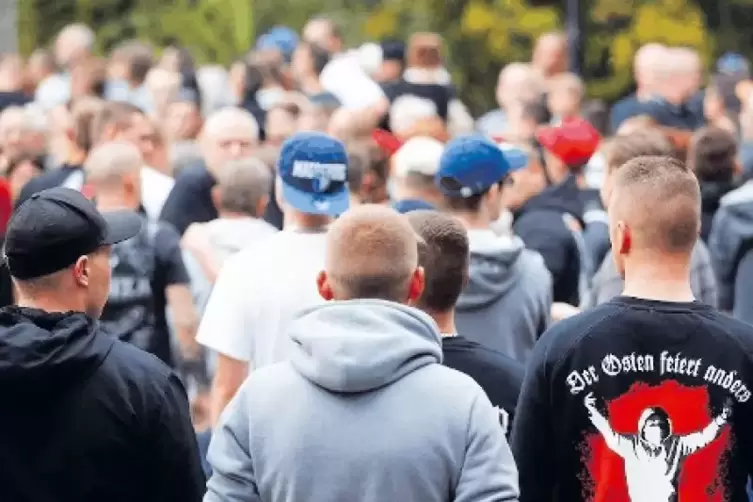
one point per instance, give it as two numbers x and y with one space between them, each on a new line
419 155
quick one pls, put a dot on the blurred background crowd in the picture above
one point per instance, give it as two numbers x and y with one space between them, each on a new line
208 90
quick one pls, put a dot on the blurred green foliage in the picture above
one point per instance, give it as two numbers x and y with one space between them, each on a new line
481 35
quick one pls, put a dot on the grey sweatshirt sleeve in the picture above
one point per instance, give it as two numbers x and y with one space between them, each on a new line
702 277
488 473
233 478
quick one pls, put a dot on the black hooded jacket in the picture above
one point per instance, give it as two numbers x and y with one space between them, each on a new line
542 226
88 418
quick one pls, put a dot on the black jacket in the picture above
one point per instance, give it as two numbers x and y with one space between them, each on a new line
87 418
541 224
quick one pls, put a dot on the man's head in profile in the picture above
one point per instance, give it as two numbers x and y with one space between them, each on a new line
654 426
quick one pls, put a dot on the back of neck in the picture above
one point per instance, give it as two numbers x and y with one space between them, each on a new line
660 280
295 220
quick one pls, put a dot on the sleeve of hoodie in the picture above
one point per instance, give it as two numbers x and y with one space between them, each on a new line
532 434
702 276
175 456
488 473
233 478
723 248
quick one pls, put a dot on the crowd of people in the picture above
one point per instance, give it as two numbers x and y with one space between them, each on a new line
315 275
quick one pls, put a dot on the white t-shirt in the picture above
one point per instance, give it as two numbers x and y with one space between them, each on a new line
344 77
258 292
155 187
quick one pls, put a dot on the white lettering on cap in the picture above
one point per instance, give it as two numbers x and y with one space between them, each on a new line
316 170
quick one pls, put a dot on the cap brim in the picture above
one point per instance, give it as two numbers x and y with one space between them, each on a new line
121 226
331 204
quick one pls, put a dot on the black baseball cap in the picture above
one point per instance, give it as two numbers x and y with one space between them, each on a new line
54 227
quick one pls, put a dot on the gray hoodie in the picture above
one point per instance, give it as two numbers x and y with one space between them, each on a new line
363 411
507 303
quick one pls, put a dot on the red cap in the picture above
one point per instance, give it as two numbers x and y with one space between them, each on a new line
573 142
386 141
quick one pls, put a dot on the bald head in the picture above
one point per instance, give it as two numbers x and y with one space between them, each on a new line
657 201
518 82
74 41
229 134
372 252
647 64
109 163
324 33
550 54
231 119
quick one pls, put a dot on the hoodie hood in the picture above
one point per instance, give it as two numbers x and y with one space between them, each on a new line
42 352
493 270
565 197
361 345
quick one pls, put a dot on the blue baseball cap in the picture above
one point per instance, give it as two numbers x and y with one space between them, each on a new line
279 38
470 165
313 168
732 63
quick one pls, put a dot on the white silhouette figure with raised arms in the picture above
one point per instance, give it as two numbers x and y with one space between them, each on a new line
654 456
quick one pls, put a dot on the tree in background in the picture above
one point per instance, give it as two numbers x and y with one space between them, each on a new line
481 35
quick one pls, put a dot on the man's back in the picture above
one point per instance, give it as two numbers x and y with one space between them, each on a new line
259 292
626 373
363 411
89 418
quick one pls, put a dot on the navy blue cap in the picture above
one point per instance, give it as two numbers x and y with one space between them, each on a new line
470 165
314 171
53 228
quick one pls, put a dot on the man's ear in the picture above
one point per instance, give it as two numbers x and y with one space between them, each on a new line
416 287
82 271
322 284
626 238
261 206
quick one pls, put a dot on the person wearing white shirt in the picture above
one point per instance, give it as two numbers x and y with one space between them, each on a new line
262 289
344 75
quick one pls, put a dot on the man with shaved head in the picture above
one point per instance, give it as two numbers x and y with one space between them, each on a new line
517 83
74 43
228 134
550 56
363 410
608 373
148 273
647 65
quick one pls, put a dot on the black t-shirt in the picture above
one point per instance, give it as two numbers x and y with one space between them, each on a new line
499 375
638 400
190 200
440 95
51 179
142 269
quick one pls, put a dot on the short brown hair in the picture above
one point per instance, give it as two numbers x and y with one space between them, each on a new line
660 199
444 255
138 56
712 155
112 114
621 149
372 252
83 112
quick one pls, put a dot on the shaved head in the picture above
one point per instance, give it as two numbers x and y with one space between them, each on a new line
372 252
655 207
110 162
231 119
648 63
